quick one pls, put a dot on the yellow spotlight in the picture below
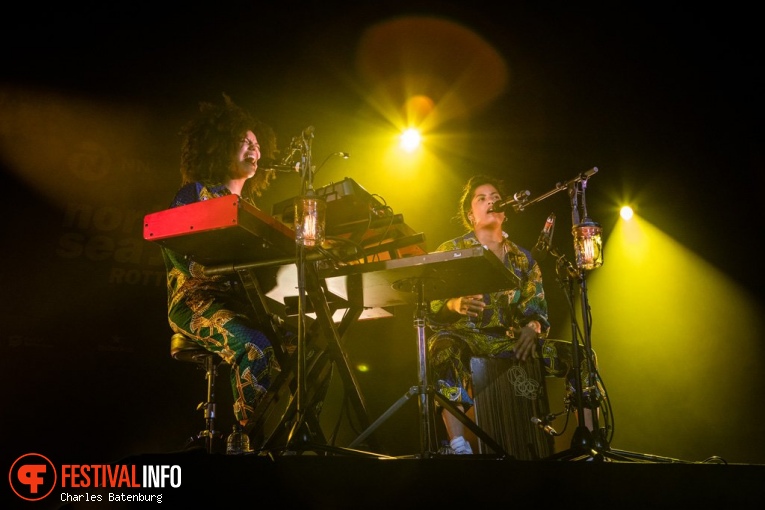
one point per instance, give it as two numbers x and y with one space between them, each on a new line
626 212
665 324
410 140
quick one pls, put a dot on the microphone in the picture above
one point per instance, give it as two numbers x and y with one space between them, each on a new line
543 425
281 166
539 252
519 197
286 164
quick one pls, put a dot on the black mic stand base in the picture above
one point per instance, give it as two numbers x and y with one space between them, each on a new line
591 446
612 455
303 440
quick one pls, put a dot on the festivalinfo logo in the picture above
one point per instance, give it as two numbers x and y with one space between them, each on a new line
33 477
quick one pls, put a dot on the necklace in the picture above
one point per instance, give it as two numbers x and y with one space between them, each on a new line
498 248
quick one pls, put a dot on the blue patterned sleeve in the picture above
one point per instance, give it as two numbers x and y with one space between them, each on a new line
438 316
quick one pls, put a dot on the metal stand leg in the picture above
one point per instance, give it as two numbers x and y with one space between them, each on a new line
209 434
299 421
426 405
210 374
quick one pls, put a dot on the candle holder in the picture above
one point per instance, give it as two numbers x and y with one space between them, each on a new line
588 244
310 221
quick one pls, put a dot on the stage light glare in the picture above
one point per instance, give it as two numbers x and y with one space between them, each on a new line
410 140
626 212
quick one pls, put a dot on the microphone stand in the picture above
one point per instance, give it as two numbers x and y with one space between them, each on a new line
301 145
583 439
300 437
584 442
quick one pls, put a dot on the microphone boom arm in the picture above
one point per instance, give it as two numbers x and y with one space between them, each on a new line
559 187
516 201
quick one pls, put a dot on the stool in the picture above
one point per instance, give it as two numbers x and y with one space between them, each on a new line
184 349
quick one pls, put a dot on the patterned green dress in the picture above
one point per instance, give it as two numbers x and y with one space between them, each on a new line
456 338
214 312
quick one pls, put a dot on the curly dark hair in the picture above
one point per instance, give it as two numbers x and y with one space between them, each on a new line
209 140
468 190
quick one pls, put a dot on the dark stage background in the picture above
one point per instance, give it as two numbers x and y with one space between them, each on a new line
661 99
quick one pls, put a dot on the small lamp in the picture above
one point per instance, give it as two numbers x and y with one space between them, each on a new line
310 220
588 244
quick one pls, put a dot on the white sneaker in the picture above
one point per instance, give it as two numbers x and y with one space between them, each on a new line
460 446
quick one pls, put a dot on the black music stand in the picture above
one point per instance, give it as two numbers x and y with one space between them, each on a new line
422 279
